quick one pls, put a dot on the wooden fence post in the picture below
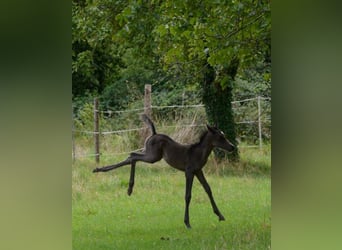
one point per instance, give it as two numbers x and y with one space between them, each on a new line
147 111
96 130
147 100
259 122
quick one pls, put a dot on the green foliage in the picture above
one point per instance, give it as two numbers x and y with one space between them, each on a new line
95 58
85 118
170 35
255 81
118 46
226 28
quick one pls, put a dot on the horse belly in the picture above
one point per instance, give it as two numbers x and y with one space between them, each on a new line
176 162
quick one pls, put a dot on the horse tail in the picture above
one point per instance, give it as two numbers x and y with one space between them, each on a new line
149 123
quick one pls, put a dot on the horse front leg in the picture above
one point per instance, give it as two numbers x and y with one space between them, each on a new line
203 181
189 177
131 179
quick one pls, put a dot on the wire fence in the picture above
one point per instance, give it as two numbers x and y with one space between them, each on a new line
252 119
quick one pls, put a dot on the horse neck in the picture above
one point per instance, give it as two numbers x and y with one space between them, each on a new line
206 144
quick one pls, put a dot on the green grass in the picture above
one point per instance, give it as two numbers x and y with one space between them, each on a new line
105 217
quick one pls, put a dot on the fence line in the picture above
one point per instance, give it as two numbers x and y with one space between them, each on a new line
101 154
121 111
121 131
252 99
246 122
136 129
177 106
185 125
96 131
152 107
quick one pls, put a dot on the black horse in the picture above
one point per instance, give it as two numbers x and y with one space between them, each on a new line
188 158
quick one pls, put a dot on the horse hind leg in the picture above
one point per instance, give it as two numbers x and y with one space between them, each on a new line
148 158
111 167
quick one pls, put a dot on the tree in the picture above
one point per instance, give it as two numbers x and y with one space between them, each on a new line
214 40
217 100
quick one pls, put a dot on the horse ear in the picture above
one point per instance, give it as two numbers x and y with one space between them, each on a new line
210 128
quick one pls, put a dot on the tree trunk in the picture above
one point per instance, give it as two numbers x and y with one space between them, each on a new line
217 97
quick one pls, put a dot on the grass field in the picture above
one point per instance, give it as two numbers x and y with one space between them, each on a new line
105 217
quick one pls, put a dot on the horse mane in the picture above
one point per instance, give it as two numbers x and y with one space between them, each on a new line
203 135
